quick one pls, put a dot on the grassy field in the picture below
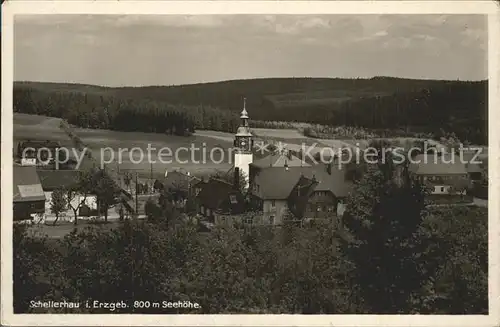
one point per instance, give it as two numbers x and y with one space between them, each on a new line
106 145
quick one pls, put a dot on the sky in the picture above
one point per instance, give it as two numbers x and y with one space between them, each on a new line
136 50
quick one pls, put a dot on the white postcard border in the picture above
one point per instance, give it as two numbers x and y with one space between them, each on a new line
11 8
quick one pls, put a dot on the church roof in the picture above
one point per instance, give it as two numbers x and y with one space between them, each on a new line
243 131
244 114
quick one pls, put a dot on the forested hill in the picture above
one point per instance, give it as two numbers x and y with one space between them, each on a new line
380 102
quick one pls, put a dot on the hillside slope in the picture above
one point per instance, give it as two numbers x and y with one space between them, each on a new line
380 102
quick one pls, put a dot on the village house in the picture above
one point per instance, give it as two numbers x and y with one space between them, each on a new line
180 184
328 197
38 153
218 200
28 196
274 190
445 175
66 179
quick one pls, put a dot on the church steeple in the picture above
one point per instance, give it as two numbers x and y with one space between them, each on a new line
243 141
244 113
243 144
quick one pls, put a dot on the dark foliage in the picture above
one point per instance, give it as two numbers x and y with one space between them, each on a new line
107 110
430 106
409 259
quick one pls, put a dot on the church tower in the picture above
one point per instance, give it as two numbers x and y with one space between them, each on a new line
243 144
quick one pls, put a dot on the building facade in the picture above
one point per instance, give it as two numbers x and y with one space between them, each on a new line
444 176
52 180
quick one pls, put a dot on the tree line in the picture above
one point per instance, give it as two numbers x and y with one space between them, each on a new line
391 254
107 111
381 103
456 107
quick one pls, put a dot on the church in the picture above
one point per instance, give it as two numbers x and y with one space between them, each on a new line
277 187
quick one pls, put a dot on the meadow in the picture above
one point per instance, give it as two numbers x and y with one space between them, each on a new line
105 144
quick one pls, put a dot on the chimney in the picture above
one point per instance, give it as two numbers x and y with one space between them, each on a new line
236 180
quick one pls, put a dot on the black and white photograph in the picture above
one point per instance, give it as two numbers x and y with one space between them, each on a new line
255 163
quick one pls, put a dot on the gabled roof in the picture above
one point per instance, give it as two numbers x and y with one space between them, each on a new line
213 192
276 183
298 198
53 179
332 180
447 164
232 203
179 180
26 184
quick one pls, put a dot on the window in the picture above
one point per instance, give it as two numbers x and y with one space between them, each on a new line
248 220
271 220
273 203
330 208
442 188
318 208
233 199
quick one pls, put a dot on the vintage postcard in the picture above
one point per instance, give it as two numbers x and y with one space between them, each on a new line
238 163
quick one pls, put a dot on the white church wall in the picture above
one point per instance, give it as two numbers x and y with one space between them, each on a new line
243 161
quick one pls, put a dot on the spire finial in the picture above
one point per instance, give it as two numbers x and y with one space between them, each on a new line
244 113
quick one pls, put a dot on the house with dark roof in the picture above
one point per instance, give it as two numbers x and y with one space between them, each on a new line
273 191
28 196
299 197
219 200
444 174
327 200
180 185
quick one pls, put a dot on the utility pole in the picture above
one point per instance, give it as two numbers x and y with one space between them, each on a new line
136 197
118 172
151 176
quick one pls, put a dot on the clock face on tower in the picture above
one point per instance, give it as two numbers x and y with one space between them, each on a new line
243 143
